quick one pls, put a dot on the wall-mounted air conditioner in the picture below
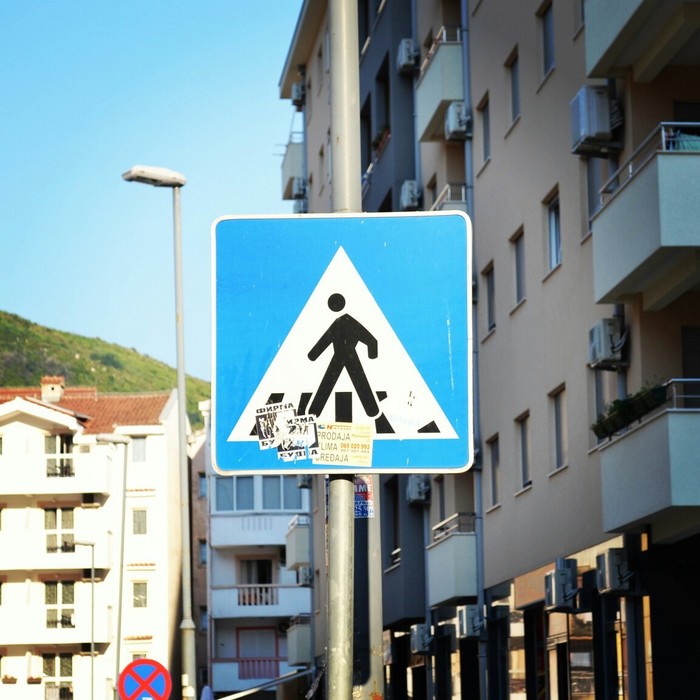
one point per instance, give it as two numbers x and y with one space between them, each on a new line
612 571
420 639
407 56
418 489
298 95
560 586
410 196
457 122
605 343
591 129
298 188
470 622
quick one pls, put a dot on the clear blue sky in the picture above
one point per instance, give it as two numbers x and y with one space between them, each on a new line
90 88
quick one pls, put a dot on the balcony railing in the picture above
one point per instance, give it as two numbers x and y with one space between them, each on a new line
259 668
445 35
452 196
258 594
667 137
463 523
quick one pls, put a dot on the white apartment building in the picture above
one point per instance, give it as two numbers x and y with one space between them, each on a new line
259 586
89 538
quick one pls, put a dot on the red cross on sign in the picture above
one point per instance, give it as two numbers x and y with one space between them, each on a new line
144 679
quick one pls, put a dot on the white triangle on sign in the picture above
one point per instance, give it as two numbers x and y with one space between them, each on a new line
405 402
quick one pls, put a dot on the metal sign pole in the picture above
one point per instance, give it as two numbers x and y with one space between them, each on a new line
347 197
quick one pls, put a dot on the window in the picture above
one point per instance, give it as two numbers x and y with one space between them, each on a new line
202 482
202 545
58 524
513 67
559 428
138 449
245 492
0 444
281 493
490 284
59 599
256 570
485 119
140 594
58 672
523 433
139 521
224 493
495 460
547 27
203 618
518 243
59 445
553 231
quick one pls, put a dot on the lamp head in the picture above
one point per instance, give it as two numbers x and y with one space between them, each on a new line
152 175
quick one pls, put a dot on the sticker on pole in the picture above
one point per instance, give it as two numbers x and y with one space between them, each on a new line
144 679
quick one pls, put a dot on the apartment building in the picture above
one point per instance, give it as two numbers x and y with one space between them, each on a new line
89 538
259 599
568 130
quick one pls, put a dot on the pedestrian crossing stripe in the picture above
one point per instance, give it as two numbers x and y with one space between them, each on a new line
405 406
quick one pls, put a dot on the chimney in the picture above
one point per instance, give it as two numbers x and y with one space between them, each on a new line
52 388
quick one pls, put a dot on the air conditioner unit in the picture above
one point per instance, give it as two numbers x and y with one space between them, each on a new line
612 571
407 56
591 129
306 576
457 122
298 95
560 587
605 342
469 622
418 489
410 196
420 639
298 188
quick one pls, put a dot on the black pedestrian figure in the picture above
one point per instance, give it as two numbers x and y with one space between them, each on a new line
344 334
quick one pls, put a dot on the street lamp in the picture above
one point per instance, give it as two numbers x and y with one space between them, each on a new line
92 613
162 177
119 440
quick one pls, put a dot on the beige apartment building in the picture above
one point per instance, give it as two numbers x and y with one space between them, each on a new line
569 131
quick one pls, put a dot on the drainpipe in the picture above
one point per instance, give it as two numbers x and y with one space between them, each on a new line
478 501
416 75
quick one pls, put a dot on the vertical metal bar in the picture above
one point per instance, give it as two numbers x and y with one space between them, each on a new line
187 630
347 197
341 574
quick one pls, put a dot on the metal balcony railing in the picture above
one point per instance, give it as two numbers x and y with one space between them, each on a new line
667 137
445 35
462 523
451 192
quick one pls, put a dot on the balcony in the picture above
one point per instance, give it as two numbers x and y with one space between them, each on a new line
293 166
649 474
29 625
452 197
260 600
32 551
235 530
647 35
58 474
242 674
298 553
299 641
645 237
452 560
441 82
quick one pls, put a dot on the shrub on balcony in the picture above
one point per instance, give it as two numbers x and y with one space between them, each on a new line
623 412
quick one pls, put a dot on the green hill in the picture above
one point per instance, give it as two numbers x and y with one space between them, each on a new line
29 351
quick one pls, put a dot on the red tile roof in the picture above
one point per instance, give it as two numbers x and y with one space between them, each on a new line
99 413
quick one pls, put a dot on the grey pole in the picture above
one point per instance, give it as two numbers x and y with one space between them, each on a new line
347 197
92 613
187 629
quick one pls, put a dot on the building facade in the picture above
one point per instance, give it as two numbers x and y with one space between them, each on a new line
89 538
569 134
